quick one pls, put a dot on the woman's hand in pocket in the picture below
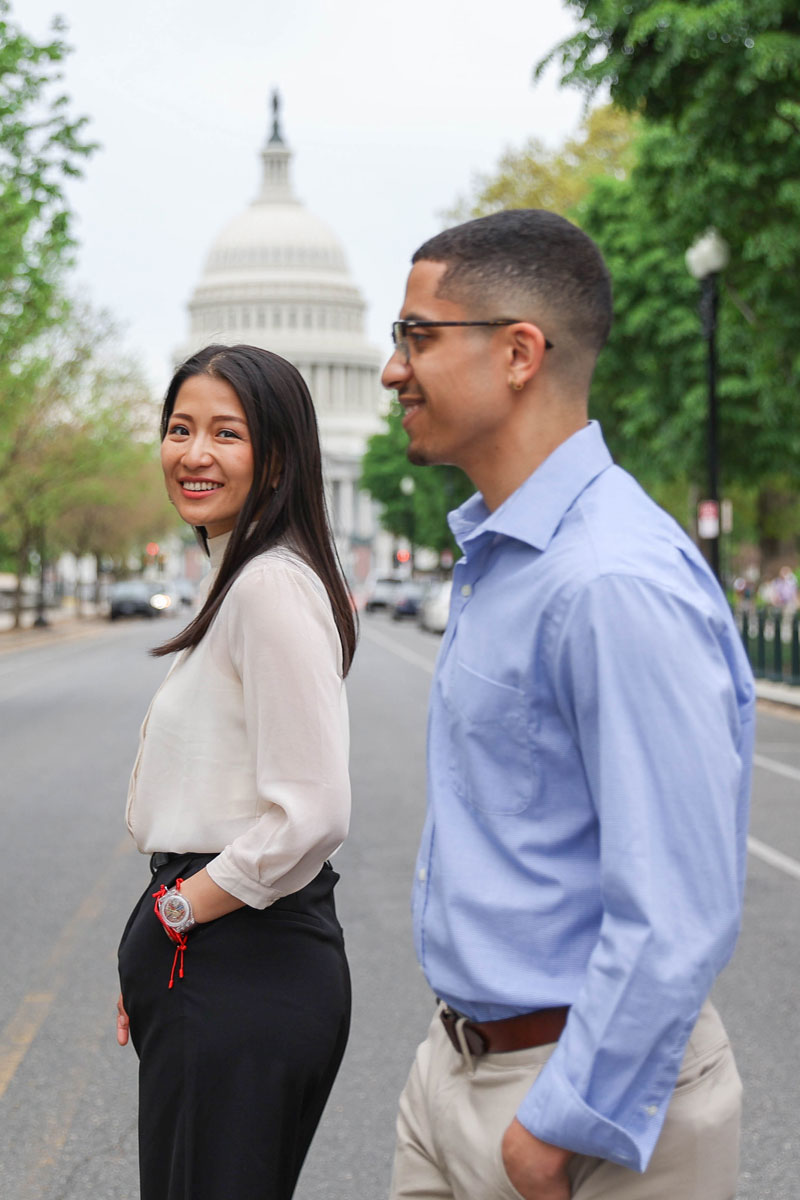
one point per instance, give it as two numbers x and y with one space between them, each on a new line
123 1023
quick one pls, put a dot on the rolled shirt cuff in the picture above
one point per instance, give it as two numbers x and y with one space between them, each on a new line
554 1112
223 872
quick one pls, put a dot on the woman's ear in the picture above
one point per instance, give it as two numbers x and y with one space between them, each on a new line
273 471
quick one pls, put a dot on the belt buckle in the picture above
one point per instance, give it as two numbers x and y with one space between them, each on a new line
476 1041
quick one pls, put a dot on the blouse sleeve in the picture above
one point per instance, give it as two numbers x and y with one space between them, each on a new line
285 648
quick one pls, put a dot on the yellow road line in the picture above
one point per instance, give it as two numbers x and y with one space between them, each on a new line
18 1035
20 1032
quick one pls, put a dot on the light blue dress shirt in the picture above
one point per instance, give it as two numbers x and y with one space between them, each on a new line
590 744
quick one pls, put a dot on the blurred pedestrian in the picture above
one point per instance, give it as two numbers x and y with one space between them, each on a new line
784 590
235 986
579 881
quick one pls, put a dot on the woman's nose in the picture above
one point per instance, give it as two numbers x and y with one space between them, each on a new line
197 452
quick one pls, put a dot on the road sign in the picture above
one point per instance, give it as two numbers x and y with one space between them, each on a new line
708 519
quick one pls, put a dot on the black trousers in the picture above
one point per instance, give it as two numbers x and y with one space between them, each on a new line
236 1061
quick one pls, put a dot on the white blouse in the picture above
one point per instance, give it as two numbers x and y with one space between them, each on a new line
244 747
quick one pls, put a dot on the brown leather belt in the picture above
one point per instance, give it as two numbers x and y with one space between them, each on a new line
512 1033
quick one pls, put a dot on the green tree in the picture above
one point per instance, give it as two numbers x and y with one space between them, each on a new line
41 147
77 444
421 515
557 179
716 85
115 512
717 68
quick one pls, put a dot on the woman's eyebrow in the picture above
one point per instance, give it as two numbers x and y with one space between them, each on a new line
217 417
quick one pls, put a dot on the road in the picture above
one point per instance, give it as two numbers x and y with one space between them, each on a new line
69 715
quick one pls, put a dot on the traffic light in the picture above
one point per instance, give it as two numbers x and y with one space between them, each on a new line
402 556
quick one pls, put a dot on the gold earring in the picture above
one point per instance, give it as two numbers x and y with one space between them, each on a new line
515 385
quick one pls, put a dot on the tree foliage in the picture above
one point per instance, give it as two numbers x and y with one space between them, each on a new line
557 179
41 147
78 464
715 83
712 66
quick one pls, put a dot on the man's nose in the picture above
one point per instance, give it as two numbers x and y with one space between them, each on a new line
396 372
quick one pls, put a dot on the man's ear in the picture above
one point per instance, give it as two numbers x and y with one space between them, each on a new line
525 348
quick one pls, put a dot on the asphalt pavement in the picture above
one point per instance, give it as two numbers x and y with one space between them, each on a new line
70 707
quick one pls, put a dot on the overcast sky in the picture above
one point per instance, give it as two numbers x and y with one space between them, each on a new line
389 107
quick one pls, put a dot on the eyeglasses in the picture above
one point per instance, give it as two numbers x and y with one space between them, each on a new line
400 330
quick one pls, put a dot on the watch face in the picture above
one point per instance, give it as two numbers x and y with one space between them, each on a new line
174 908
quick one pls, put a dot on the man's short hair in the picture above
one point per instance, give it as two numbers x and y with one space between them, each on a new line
529 257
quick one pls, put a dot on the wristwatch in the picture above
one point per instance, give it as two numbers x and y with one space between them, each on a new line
175 912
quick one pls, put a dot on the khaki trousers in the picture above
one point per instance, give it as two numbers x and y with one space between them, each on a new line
451 1123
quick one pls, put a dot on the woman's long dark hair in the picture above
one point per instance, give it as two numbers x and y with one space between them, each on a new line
283 431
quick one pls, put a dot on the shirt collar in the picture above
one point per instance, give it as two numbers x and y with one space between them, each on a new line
534 511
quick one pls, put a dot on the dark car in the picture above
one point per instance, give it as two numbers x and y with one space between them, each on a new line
137 598
408 600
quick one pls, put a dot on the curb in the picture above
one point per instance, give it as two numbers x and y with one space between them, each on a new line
61 630
778 693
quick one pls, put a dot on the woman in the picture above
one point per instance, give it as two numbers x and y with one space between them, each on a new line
235 986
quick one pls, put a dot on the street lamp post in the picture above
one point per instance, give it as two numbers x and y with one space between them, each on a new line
705 258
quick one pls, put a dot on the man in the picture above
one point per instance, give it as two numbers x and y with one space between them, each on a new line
580 877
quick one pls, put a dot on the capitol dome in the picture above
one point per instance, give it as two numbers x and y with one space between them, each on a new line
276 276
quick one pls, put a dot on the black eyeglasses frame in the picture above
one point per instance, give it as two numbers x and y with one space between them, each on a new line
400 329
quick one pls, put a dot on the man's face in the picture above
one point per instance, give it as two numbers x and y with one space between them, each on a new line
454 388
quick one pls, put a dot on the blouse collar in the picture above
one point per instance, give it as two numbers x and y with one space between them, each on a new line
217 547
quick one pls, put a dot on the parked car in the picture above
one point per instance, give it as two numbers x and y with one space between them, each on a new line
383 593
137 597
408 599
435 608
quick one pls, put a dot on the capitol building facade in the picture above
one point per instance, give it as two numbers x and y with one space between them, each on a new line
276 277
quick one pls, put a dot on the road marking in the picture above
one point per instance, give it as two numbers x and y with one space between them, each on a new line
18 1036
380 639
777 768
20 1032
774 858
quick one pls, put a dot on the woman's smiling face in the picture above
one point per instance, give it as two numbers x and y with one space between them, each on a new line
207 454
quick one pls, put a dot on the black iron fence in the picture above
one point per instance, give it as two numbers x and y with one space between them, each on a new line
771 638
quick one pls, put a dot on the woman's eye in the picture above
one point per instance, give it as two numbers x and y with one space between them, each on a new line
229 433
181 430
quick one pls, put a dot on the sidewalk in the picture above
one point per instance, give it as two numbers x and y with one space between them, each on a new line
62 625
778 693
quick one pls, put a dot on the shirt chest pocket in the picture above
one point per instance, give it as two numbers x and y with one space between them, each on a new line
491 755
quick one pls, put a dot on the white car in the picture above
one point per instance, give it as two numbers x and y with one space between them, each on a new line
435 608
382 593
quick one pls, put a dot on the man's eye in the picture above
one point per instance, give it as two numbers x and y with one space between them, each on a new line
417 339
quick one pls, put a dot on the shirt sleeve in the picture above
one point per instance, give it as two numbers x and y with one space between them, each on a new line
644 680
284 646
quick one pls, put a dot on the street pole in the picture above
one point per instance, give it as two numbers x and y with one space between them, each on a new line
708 309
41 621
705 258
